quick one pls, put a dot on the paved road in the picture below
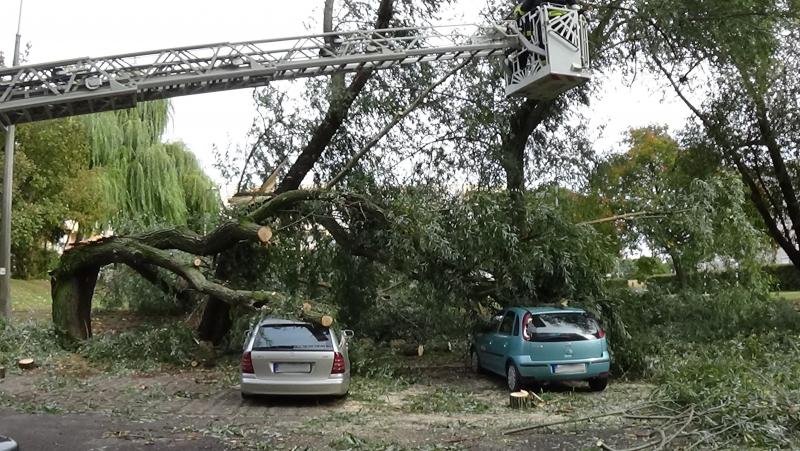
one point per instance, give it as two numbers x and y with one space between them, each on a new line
97 432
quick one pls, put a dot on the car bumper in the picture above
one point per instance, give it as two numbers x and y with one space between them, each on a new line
6 444
334 385
544 371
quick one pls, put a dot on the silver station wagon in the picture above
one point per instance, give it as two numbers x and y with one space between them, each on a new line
285 357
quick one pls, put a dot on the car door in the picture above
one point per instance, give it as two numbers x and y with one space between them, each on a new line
502 342
483 343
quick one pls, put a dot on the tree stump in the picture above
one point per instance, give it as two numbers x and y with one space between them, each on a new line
26 364
412 350
264 234
2 372
519 400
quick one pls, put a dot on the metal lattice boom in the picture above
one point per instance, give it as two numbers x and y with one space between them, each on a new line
90 85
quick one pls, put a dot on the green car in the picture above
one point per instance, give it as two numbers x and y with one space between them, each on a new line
543 344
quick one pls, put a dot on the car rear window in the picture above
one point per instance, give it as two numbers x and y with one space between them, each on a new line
563 326
293 337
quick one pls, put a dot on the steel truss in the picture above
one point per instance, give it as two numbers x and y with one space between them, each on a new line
89 85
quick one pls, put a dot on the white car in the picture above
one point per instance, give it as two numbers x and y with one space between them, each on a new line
285 357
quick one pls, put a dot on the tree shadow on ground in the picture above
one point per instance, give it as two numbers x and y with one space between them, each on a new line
294 401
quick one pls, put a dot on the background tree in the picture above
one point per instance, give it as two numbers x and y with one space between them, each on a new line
145 182
688 210
52 183
733 64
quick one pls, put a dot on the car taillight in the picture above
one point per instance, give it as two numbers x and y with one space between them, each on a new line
247 363
525 334
338 363
600 333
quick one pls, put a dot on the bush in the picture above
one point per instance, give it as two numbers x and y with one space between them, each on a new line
745 383
26 340
786 277
650 318
143 347
120 287
33 263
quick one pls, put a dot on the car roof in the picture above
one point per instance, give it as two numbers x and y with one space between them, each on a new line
279 321
546 309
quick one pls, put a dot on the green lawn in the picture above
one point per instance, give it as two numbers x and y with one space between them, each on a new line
30 299
793 296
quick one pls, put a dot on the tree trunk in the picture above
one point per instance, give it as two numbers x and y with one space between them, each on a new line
72 302
680 272
216 321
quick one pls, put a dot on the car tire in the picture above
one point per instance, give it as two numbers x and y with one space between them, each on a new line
598 383
475 362
513 378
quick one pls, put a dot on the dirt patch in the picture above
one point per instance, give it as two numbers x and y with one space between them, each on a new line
445 406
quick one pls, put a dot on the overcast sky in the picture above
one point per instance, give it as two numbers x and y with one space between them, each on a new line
57 30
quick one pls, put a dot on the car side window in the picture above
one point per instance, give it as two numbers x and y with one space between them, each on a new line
493 324
507 326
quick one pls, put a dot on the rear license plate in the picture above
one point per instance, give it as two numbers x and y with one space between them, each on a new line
292 368
573 368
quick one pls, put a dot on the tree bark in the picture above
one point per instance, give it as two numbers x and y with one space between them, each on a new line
522 124
72 302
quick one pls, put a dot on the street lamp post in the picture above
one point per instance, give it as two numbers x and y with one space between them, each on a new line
5 221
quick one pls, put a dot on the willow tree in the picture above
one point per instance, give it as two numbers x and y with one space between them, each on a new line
146 182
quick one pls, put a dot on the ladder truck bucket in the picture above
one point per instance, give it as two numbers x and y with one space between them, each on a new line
553 53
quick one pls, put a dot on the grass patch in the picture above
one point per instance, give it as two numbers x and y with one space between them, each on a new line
30 299
791 296
446 400
375 389
27 340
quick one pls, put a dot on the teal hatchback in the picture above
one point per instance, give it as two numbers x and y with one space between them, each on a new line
543 344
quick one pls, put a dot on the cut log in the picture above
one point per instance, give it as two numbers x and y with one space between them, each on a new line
198 262
316 314
519 400
440 346
26 364
412 350
264 234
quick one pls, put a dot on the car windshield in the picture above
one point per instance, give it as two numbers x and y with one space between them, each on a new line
556 326
293 337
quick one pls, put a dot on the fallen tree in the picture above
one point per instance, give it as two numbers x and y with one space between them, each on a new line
73 281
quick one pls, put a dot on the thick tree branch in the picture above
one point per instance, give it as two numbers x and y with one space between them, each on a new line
388 127
138 255
334 118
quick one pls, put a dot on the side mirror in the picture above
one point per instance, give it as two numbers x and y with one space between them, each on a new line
348 333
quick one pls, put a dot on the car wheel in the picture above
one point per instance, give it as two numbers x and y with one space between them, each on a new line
475 362
513 378
598 383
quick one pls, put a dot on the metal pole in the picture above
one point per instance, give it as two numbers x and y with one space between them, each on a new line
5 209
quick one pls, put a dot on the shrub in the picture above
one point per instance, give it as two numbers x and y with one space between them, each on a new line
143 347
787 277
120 287
26 340
33 263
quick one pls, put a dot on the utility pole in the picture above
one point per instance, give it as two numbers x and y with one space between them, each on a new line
8 181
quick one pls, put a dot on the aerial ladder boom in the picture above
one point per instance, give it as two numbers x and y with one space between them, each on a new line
90 85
